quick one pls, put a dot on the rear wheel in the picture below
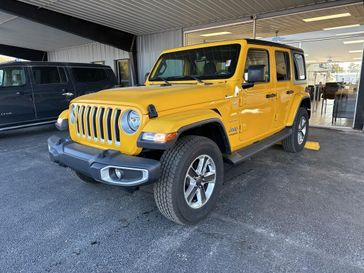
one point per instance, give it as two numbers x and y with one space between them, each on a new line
297 140
192 175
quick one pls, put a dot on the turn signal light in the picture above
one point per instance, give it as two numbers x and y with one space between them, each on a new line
159 137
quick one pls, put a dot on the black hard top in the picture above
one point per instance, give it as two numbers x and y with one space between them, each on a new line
16 63
268 43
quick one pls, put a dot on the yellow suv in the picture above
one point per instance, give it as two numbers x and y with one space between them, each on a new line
201 105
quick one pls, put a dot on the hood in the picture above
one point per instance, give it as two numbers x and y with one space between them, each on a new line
162 97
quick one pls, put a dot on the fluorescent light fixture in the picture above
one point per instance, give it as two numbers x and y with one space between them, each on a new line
311 61
349 33
357 59
341 27
353 42
215 34
327 17
356 51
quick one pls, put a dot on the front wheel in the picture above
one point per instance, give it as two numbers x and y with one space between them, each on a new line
192 175
297 140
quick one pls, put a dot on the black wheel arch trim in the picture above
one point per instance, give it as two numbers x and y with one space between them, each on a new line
164 146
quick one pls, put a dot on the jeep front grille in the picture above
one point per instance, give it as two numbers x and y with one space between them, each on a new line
98 123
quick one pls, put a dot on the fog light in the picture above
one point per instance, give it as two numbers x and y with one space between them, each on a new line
119 174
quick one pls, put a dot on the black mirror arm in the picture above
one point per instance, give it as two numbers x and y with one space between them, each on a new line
247 85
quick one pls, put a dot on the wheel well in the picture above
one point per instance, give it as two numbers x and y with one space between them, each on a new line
212 130
306 103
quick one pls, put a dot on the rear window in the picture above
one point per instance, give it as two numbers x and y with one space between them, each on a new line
299 67
282 66
12 76
89 74
45 75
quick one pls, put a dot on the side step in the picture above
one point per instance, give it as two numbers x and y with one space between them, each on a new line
245 153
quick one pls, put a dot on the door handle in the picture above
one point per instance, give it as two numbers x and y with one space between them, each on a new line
269 96
20 93
289 92
68 94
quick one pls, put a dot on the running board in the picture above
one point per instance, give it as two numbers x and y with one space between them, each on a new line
27 125
247 152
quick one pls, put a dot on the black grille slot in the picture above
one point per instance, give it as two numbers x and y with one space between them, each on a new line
116 125
77 119
108 124
88 111
94 124
102 133
82 120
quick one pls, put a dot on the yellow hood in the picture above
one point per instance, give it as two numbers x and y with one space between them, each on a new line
162 97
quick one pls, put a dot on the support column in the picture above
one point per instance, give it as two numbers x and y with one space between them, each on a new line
254 17
359 109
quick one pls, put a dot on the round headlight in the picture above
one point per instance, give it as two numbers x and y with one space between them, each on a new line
73 114
130 121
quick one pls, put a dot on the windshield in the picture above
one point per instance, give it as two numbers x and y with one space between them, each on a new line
216 62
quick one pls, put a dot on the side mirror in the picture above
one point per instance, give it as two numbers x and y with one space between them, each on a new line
247 85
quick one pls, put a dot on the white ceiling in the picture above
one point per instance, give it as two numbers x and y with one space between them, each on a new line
24 33
149 16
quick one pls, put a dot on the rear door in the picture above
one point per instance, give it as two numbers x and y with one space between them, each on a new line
283 83
53 90
16 102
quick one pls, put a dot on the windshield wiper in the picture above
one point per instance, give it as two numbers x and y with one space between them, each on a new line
166 83
195 78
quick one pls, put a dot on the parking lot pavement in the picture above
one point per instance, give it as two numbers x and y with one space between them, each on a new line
278 212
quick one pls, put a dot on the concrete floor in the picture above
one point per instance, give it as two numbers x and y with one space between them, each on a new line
278 212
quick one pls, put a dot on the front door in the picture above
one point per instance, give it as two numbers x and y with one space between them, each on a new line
258 102
53 91
16 102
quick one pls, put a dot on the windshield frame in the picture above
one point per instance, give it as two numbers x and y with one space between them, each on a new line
153 79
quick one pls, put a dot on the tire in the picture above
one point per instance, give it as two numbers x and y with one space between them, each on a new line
181 198
86 178
297 140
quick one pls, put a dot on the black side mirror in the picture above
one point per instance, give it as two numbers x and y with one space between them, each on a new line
247 85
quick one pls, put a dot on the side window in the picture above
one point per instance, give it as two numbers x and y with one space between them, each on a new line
89 74
282 66
257 66
45 75
62 74
12 76
299 67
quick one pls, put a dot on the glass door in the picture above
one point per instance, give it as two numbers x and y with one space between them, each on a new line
123 72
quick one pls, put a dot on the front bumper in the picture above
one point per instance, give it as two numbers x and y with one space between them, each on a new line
101 164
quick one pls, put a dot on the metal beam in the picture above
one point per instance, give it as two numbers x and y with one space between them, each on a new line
359 109
103 34
23 53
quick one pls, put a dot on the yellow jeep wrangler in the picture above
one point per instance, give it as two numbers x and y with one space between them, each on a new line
201 105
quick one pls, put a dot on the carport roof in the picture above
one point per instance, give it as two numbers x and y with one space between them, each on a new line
143 17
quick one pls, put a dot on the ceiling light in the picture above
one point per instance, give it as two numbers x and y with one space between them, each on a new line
349 33
356 51
327 17
215 34
311 61
353 42
358 59
341 27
